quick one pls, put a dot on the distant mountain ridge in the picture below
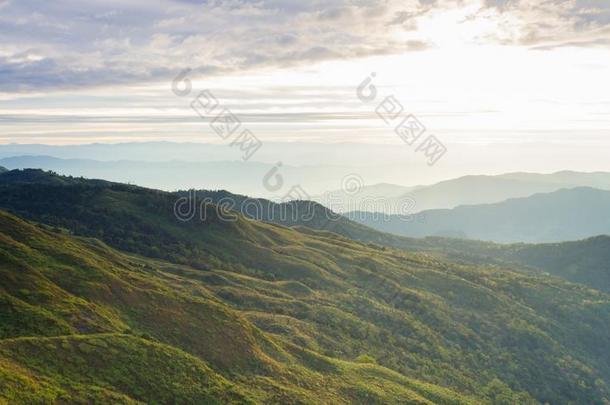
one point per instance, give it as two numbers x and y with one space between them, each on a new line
470 190
175 171
171 175
564 215
466 190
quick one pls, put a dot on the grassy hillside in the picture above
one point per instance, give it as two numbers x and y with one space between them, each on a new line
82 323
107 368
586 261
308 214
290 315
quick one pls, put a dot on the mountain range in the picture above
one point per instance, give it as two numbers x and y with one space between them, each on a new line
317 167
108 297
467 190
563 215
356 185
177 174
344 177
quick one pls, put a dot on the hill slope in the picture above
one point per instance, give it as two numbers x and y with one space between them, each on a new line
82 323
585 261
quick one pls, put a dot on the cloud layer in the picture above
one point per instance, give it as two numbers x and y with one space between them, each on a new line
74 44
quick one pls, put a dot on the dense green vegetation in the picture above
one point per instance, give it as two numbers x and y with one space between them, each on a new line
83 323
252 311
586 261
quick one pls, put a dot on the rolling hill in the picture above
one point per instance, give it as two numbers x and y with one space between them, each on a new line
585 261
265 313
83 323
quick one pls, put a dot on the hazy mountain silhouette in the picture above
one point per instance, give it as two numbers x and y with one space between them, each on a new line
467 190
567 214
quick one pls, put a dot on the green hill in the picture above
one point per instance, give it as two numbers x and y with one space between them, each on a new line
107 368
586 261
83 323
285 315
307 214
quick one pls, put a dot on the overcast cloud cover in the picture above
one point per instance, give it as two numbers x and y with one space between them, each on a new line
77 43
505 84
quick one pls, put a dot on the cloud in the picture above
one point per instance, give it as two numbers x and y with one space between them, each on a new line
545 24
56 45
109 42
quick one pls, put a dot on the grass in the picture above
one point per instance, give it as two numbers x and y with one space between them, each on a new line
120 329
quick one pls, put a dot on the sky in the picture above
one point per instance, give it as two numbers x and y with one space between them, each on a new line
483 76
